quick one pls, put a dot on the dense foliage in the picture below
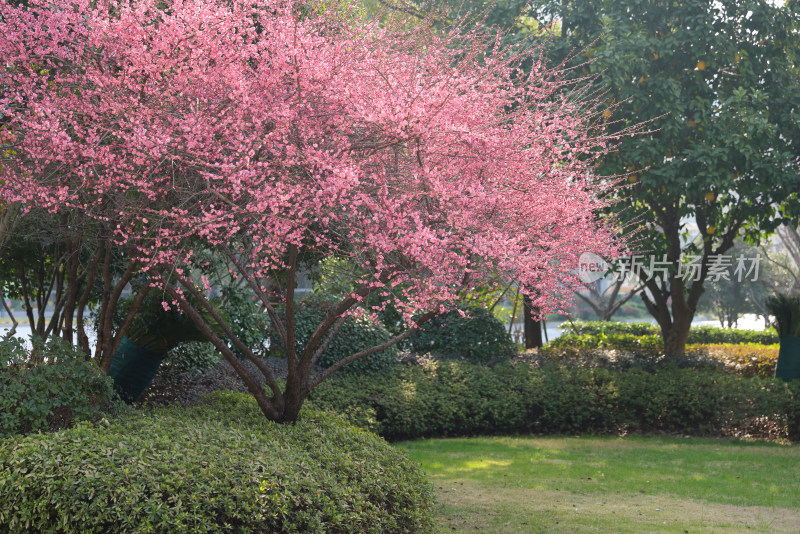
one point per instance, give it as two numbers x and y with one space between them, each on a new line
473 333
354 335
193 356
718 81
650 343
215 468
49 388
698 334
457 398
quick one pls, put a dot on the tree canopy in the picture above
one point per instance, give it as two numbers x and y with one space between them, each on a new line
270 133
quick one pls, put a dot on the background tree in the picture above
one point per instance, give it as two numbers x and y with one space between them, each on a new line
717 82
604 297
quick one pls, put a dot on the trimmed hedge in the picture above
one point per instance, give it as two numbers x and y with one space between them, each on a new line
640 343
645 352
749 360
215 468
697 335
457 398
49 388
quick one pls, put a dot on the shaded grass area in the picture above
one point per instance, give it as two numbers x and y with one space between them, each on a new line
608 484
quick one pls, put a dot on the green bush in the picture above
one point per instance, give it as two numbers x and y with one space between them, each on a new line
594 328
355 334
640 343
698 334
49 388
220 467
458 398
478 336
192 356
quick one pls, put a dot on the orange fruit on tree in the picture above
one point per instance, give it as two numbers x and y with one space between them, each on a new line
607 113
701 65
633 178
710 230
709 196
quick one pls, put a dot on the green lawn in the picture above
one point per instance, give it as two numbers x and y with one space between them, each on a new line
608 484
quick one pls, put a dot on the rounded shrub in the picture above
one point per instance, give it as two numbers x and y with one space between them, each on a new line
355 334
473 333
219 467
49 387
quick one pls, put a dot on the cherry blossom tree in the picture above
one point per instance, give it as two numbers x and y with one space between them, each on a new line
271 132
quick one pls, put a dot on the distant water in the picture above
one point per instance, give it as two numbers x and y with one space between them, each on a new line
747 322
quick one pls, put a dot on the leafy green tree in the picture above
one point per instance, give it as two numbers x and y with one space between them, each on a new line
718 83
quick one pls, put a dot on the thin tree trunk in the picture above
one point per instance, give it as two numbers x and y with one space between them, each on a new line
533 327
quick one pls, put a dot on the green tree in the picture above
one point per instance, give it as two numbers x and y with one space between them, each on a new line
717 82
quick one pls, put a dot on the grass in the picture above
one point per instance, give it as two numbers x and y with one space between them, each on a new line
609 484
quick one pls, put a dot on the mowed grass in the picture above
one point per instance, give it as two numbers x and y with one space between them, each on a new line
608 484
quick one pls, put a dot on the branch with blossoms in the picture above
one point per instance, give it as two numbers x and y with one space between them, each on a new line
427 157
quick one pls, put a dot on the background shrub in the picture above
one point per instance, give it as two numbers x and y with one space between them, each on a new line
477 336
639 343
214 468
356 334
751 359
49 387
193 356
698 334
458 398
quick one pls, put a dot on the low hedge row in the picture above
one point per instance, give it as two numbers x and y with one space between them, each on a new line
641 343
751 359
457 398
697 335
219 467
644 352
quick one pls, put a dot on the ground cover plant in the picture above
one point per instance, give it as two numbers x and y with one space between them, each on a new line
217 467
634 484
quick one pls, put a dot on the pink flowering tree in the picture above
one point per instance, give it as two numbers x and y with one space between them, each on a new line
269 132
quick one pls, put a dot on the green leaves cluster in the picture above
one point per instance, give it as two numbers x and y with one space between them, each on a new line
698 334
216 468
355 334
49 388
477 336
458 399
718 83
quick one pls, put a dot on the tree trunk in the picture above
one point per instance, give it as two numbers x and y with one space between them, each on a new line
533 328
675 336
